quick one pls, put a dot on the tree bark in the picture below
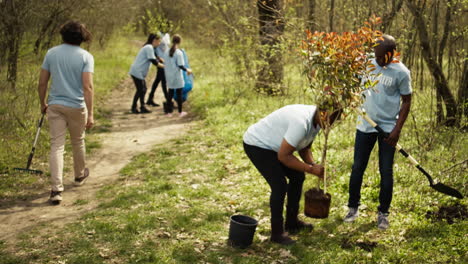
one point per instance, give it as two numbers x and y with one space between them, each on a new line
270 73
463 90
311 19
331 15
388 17
440 80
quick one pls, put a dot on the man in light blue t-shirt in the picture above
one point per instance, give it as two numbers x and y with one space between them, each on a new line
270 145
70 102
382 104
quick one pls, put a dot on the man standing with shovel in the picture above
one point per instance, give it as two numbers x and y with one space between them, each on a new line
382 104
70 102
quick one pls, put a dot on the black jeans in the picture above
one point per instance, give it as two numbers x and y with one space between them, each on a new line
363 146
179 98
275 173
160 78
140 92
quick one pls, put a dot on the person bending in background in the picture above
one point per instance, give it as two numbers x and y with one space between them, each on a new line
139 70
160 52
382 104
270 145
173 70
70 102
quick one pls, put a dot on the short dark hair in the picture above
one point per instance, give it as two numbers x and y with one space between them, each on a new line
74 32
388 43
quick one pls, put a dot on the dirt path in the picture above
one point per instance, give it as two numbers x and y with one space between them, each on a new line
130 135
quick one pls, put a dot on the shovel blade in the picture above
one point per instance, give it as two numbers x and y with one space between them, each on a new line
442 188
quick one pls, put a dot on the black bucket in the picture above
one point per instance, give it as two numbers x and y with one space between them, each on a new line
241 231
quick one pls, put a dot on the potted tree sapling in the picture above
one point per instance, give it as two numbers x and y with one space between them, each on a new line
335 65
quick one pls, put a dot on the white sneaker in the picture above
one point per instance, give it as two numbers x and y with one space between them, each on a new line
182 114
353 213
382 221
55 197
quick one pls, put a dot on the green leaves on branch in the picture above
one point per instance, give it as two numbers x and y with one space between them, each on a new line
335 64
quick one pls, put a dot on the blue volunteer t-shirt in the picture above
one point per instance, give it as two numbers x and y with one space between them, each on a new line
294 123
174 77
140 66
382 102
66 64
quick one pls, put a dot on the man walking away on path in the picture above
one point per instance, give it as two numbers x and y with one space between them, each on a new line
382 104
70 102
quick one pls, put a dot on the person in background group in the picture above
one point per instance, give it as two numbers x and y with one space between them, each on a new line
173 70
382 104
139 70
160 52
70 102
270 145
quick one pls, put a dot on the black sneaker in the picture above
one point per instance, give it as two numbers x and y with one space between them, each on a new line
135 111
143 110
80 181
152 103
55 197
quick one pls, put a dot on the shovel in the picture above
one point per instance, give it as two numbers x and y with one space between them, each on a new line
31 155
440 187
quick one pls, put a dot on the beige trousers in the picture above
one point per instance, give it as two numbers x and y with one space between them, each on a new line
60 118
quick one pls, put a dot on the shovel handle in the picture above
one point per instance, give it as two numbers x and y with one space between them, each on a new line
398 147
31 155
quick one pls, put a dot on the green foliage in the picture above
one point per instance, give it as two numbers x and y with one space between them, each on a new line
336 63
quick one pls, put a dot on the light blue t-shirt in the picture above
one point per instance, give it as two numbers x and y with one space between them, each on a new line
174 77
161 51
294 123
140 66
382 102
66 64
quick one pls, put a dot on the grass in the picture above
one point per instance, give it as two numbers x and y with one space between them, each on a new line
172 204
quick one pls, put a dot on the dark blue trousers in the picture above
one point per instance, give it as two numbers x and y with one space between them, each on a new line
363 146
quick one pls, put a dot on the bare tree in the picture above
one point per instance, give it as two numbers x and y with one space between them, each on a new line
270 74
441 83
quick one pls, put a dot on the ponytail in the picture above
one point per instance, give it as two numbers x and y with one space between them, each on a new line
176 39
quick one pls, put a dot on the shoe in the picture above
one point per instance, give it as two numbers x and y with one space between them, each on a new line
143 110
80 181
293 225
353 213
152 103
55 197
135 111
278 235
182 114
382 221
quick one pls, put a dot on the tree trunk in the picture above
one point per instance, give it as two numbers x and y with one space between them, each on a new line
311 20
435 68
463 90
388 17
270 73
331 15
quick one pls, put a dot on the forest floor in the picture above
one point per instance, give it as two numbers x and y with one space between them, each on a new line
129 136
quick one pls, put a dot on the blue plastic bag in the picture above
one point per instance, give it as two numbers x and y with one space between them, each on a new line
188 79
